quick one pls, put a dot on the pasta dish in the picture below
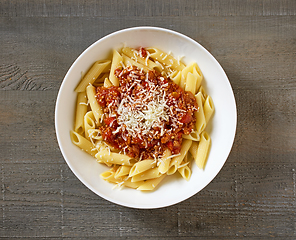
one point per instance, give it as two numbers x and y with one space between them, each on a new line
143 114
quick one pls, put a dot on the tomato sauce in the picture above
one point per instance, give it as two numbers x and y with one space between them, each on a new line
164 112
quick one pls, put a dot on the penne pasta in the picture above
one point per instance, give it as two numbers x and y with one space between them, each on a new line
208 108
135 56
148 174
151 184
164 161
190 83
95 134
107 83
122 171
81 109
130 184
200 116
108 176
114 158
193 68
102 77
176 77
203 94
194 136
130 62
89 124
94 105
83 143
165 59
176 161
185 172
198 74
116 63
142 166
184 168
92 74
201 154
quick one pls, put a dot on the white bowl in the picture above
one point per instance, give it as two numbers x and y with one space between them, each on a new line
222 128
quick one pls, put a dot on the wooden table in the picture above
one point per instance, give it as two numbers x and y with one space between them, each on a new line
254 194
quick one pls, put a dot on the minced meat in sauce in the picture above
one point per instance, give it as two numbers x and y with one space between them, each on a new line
146 114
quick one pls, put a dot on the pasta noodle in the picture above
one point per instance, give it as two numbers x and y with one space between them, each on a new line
122 171
134 55
165 58
92 74
94 105
114 158
107 83
208 108
176 161
143 114
200 116
130 62
130 184
83 143
176 77
89 124
184 168
203 94
201 154
149 174
151 184
81 109
195 71
142 166
194 136
164 161
191 82
116 62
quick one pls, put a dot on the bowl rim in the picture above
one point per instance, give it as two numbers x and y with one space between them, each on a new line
58 100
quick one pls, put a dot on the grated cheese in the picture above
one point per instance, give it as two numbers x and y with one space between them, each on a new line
82 103
140 115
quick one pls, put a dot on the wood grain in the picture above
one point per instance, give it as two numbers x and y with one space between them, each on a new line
254 195
27 127
263 49
91 8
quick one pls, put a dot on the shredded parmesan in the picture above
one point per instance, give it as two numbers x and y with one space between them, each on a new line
165 57
147 57
82 103
175 155
183 165
140 115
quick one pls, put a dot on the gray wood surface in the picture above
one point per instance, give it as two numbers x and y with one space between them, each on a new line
254 195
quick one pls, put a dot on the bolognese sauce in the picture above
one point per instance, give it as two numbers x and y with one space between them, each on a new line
146 114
